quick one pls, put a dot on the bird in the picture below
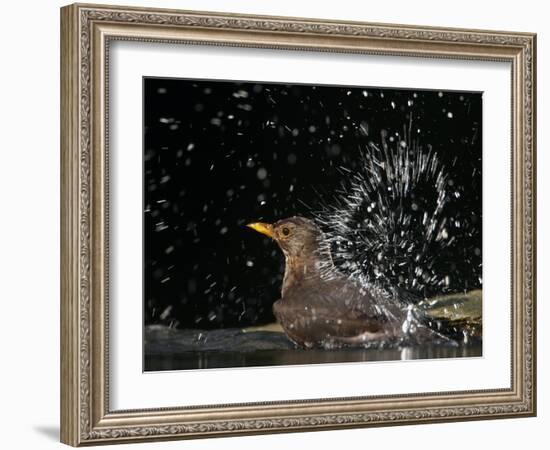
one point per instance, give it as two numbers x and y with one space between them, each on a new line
320 307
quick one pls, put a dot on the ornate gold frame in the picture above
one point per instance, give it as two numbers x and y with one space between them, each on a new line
86 31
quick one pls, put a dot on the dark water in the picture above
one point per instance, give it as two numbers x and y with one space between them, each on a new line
169 349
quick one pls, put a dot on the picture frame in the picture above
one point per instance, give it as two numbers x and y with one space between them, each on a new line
87 32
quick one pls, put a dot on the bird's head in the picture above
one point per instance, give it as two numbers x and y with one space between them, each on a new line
297 237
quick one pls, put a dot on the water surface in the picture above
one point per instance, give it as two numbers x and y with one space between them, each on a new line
169 349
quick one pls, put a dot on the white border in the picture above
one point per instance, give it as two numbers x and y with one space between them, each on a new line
132 389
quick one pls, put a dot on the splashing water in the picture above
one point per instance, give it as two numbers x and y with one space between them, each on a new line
387 226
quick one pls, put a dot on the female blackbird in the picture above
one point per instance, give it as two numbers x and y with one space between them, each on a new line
321 307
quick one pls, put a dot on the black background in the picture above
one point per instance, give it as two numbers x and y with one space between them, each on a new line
218 155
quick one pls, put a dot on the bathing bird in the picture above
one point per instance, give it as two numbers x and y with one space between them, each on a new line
322 307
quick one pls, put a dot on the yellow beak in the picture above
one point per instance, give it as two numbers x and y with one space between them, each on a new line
263 228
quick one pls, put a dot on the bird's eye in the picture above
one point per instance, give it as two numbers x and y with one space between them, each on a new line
286 231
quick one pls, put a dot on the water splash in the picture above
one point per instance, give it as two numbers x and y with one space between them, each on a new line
388 224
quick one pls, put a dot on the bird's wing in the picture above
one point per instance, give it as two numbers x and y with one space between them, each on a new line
318 323
357 301
336 306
